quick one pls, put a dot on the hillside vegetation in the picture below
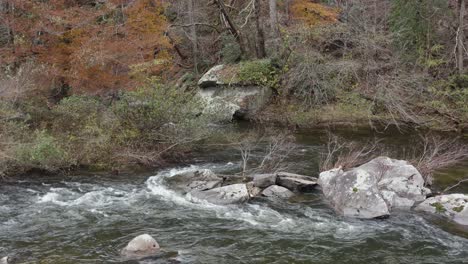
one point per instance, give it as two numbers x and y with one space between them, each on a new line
102 83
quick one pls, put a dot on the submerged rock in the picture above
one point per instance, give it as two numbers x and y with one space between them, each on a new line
452 206
296 182
200 180
373 189
230 194
141 246
278 192
264 180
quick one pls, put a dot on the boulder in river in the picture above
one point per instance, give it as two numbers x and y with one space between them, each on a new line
277 192
141 246
452 206
264 180
296 182
199 180
373 189
230 194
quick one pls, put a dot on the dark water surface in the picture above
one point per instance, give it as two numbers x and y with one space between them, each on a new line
82 219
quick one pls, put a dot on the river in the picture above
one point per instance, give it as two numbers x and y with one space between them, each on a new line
87 218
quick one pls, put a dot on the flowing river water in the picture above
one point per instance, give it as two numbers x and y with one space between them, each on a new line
83 218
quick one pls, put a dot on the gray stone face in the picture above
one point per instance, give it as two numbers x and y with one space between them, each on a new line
452 206
211 78
225 99
195 180
400 183
230 194
373 189
253 190
141 246
264 180
353 193
296 182
277 192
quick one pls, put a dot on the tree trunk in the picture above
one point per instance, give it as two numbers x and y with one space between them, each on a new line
274 19
193 34
232 27
260 36
461 36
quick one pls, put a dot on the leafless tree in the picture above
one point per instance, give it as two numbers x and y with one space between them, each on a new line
347 154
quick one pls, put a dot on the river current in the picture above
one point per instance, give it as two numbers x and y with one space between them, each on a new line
89 218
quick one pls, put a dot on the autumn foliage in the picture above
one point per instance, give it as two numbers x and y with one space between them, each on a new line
313 14
90 46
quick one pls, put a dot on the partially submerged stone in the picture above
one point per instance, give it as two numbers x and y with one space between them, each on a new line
264 180
373 189
452 206
199 180
141 246
277 192
230 194
296 182
253 190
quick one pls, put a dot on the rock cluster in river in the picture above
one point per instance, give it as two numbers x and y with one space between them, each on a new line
204 185
373 189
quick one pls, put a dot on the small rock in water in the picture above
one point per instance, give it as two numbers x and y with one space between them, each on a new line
278 192
230 194
453 206
195 180
253 190
141 246
264 180
296 182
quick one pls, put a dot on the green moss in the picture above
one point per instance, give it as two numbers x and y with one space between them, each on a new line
439 207
259 72
458 209
355 190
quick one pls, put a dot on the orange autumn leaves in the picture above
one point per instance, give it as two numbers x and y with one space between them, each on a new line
313 14
93 48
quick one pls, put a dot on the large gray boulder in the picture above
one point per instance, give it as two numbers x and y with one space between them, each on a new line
353 193
230 194
452 206
373 189
277 192
296 182
226 97
399 182
200 180
264 180
141 246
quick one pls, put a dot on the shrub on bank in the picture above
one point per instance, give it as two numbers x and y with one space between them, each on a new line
145 126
